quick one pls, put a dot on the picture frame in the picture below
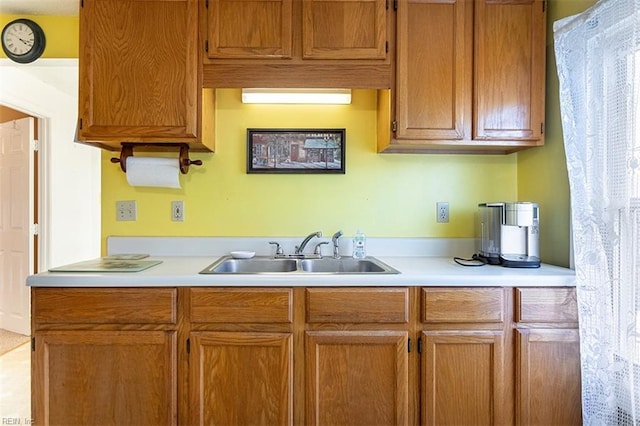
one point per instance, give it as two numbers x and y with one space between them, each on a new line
296 151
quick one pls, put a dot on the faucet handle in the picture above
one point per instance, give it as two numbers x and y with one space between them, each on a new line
336 244
279 251
318 249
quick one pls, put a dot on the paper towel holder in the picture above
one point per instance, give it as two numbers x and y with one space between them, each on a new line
183 159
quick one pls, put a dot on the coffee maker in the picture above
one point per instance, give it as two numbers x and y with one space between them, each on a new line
509 234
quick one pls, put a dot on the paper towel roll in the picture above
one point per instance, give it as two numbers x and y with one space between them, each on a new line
153 171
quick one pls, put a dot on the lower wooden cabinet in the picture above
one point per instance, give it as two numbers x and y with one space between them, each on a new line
241 378
547 353
305 356
464 362
86 377
104 356
357 376
463 378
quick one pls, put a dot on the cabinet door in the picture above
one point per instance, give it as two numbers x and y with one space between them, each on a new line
548 390
463 378
105 377
250 29
434 57
509 69
344 29
241 378
139 78
357 377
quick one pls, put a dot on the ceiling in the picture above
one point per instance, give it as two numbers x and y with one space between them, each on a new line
40 7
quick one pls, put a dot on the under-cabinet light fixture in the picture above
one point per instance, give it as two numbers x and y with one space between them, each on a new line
296 96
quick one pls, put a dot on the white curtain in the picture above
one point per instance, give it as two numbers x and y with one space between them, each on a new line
598 57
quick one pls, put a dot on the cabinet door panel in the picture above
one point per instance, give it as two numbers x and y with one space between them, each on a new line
250 29
548 359
434 59
509 69
344 29
357 377
105 377
463 378
139 70
241 378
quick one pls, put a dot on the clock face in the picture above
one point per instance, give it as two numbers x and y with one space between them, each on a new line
18 38
23 41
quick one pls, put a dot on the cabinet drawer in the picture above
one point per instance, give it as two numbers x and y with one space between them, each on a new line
462 305
104 305
357 305
241 305
546 305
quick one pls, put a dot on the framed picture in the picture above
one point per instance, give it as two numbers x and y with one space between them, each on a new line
295 150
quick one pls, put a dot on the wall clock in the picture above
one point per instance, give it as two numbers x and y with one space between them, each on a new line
23 41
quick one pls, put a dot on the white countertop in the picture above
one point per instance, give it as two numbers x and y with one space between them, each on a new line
415 271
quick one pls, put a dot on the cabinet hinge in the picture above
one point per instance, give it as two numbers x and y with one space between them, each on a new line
33 344
386 46
206 4
188 346
81 3
395 4
35 145
35 229
394 126
544 5
409 345
80 123
420 345
387 5
206 45
542 128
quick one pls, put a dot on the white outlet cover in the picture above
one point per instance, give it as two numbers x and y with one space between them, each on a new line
126 211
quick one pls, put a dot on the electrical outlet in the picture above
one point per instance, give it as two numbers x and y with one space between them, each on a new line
442 212
177 211
126 211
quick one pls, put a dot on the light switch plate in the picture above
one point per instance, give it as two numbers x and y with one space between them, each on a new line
177 211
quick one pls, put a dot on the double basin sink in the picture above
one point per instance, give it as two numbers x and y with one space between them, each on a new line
270 265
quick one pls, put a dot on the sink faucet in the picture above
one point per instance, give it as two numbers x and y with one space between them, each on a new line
336 244
303 244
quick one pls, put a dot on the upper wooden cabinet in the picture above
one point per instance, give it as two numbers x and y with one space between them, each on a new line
140 77
344 29
470 77
249 29
291 43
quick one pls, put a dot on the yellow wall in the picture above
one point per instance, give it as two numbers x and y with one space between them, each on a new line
61 33
385 195
542 172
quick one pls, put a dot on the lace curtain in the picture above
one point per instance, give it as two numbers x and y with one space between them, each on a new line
598 57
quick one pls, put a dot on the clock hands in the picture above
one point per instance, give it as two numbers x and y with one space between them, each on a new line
27 42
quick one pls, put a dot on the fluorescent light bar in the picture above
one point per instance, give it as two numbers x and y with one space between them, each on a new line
296 96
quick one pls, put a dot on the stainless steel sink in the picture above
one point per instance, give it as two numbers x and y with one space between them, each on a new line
270 265
346 266
228 265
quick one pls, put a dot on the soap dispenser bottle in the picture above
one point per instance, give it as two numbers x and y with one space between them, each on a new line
359 245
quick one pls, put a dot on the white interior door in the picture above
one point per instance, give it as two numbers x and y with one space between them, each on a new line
16 218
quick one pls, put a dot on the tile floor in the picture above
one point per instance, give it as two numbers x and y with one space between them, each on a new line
15 386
